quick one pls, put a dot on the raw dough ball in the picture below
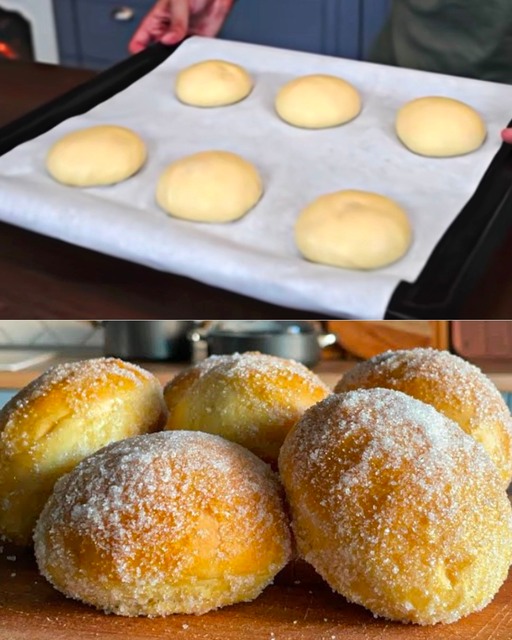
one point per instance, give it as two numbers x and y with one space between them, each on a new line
213 83
66 414
354 230
164 523
210 186
251 398
454 387
440 127
318 101
396 507
96 156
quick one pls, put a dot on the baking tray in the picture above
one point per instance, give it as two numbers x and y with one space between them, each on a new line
457 261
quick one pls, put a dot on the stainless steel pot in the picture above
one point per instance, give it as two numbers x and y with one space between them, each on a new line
148 340
298 340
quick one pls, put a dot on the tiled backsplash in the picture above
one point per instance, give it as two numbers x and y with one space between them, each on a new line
50 333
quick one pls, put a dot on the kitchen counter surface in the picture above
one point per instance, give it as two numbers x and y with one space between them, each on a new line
330 371
47 278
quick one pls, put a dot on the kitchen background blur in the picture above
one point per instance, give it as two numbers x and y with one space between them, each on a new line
28 347
95 33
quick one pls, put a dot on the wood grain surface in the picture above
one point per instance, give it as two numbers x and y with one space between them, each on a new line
30 609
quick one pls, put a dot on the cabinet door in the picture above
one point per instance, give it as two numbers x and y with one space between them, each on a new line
373 16
347 28
105 28
66 33
304 25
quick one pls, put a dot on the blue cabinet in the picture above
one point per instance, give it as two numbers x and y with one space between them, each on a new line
347 28
105 28
305 25
96 33
373 15
344 28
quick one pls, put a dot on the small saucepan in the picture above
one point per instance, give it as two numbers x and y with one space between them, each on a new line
299 340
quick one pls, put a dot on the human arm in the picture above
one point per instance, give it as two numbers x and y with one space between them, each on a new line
169 21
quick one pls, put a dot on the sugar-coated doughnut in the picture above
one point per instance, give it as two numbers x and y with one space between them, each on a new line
61 417
396 507
172 522
453 386
251 398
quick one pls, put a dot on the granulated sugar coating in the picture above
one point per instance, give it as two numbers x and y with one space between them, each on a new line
173 522
396 507
64 415
251 398
453 386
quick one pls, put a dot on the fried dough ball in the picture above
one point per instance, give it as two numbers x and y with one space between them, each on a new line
453 386
396 507
69 412
180 522
251 398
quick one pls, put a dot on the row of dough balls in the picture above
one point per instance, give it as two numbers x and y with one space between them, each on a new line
350 229
432 126
396 482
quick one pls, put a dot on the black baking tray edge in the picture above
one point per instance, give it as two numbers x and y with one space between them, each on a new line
458 260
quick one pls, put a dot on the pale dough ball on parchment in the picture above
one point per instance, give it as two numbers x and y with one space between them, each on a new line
96 156
440 127
317 102
354 230
213 83
210 186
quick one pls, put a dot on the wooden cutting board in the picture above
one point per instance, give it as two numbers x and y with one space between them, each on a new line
30 609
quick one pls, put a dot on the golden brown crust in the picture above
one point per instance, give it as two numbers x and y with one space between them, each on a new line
396 507
64 415
173 522
453 386
251 398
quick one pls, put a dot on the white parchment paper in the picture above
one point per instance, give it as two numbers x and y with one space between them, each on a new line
256 255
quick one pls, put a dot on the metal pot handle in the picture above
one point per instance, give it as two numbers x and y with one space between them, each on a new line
326 339
199 344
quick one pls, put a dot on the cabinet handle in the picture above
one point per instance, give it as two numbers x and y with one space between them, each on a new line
122 14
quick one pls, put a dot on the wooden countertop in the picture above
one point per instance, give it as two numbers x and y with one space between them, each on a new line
30 609
47 278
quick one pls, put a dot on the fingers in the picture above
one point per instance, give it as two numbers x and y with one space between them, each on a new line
506 136
148 31
179 12
140 39
166 22
209 21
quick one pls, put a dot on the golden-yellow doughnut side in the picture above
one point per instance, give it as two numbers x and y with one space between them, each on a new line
164 523
450 384
251 398
64 415
396 507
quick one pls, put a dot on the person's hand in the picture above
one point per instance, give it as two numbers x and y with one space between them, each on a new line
506 135
169 21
